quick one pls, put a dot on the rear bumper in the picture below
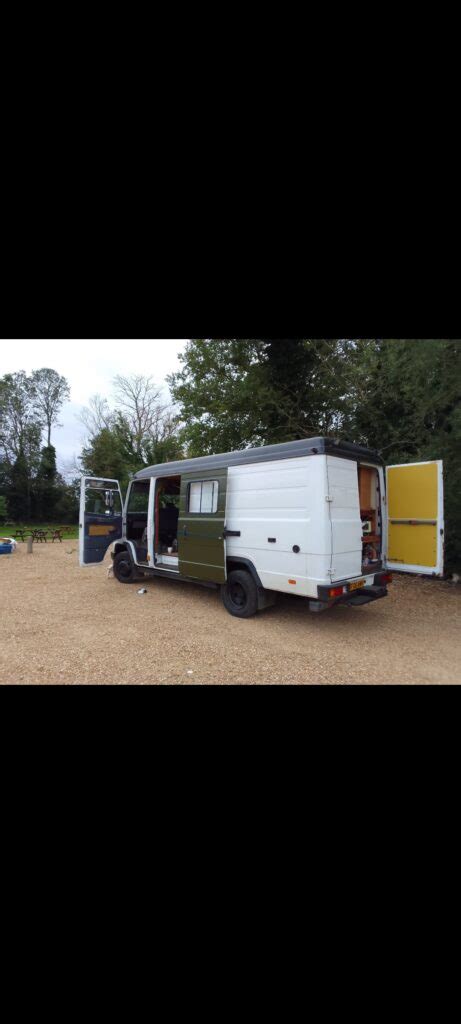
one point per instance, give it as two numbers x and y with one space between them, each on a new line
370 592
362 596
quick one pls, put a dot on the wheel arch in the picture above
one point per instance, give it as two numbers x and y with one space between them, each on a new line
123 545
243 563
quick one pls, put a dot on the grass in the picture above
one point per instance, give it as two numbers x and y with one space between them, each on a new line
7 530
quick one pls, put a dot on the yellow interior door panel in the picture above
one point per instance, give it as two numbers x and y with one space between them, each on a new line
415 517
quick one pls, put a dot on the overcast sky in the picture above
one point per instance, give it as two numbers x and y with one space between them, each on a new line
90 367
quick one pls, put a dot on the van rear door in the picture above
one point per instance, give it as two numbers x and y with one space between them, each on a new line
100 520
343 536
415 517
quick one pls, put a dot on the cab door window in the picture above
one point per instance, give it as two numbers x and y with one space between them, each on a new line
102 501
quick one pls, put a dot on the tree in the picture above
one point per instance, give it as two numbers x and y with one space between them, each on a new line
20 490
141 413
104 457
3 508
51 391
407 404
19 422
47 485
219 392
28 474
97 415
20 431
68 501
234 393
141 431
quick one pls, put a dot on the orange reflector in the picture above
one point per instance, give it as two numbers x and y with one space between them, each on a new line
336 592
292 581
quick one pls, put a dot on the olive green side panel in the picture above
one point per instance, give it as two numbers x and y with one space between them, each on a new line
201 544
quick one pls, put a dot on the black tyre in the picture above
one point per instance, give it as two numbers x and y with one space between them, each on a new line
240 594
124 570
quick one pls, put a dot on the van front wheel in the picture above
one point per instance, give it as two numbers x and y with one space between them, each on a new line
124 570
240 594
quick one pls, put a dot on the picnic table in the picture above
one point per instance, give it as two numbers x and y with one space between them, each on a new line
56 533
39 535
52 533
20 532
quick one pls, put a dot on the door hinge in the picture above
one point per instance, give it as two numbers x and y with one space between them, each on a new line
327 498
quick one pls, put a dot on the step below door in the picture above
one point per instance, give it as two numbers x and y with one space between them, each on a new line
415 541
201 540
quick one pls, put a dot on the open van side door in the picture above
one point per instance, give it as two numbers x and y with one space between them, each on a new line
201 525
415 541
100 520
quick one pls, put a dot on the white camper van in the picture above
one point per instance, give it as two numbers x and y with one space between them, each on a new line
306 518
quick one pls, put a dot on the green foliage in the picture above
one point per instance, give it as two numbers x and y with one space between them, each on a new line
105 456
111 454
50 392
28 474
408 406
235 393
66 509
216 391
168 449
46 488
20 491
141 431
3 508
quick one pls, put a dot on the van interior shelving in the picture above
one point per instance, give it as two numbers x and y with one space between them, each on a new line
370 514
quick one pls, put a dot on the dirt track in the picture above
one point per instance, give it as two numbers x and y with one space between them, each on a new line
63 624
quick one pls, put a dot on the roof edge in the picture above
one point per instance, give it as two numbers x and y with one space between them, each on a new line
266 453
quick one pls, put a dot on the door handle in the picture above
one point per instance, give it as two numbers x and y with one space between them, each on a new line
231 533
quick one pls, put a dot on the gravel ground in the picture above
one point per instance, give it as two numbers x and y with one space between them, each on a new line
63 624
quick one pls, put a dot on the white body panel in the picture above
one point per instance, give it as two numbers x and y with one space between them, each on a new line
287 500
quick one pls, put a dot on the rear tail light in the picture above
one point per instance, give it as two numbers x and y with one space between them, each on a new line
336 591
387 578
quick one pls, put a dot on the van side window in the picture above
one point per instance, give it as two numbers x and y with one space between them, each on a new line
203 497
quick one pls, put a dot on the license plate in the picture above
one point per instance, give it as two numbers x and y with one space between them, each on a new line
355 586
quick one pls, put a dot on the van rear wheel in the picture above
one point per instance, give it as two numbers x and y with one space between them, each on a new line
240 594
124 570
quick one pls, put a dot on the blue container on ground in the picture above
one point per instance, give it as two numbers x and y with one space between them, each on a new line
6 549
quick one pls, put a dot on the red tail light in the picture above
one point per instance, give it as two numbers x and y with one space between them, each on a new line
336 592
387 578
